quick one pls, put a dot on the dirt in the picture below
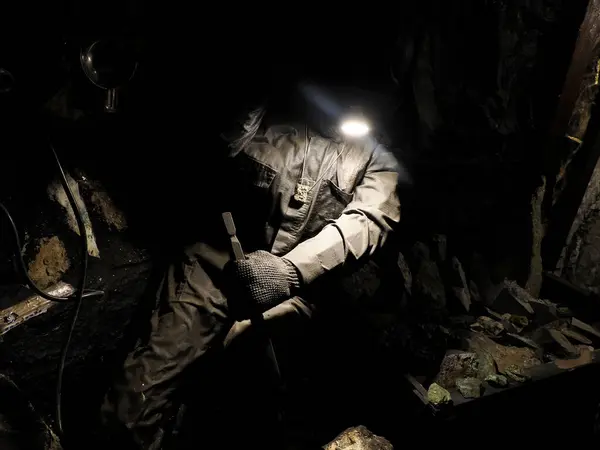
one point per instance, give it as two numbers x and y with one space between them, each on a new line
50 263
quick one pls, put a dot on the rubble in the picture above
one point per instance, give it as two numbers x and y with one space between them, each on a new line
513 299
457 365
516 373
545 311
503 356
565 345
585 327
497 380
508 331
519 341
486 365
358 438
519 322
469 387
487 325
437 395
576 336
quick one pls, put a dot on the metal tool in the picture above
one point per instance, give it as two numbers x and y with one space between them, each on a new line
257 319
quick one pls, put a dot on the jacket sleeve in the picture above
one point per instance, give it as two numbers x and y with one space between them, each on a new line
363 226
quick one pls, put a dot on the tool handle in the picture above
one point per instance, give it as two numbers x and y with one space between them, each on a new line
236 247
229 224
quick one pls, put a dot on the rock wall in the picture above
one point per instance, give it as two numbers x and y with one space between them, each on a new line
580 263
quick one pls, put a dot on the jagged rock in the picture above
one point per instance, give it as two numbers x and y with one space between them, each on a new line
486 365
495 314
480 275
512 323
437 395
497 380
488 326
469 387
545 311
405 271
564 345
440 247
568 332
564 311
358 438
504 356
457 365
459 286
585 327
427 281
516 373
519 321
520 341
474 290
513 299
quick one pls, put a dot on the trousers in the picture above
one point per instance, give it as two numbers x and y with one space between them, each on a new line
190 323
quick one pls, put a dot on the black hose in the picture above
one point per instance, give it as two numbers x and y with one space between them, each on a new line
23 267
78 296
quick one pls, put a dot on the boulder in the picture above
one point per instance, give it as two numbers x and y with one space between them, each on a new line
358 438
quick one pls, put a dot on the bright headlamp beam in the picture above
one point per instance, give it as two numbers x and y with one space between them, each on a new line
355 128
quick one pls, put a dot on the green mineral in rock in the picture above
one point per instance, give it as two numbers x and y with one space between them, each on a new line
497 380
469 387
437 395
516 373
520 321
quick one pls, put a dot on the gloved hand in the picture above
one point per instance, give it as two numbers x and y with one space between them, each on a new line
259 283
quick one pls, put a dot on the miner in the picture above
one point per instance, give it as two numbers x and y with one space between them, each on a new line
310 192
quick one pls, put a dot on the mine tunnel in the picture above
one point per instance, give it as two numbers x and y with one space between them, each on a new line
299 227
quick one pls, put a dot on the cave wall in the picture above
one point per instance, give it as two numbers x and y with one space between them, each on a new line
580 262
483 109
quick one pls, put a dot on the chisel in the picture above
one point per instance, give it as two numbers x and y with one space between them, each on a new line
257 318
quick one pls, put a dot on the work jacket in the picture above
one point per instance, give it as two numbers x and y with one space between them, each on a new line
351 208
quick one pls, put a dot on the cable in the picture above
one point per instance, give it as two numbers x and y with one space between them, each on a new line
23 267
78 296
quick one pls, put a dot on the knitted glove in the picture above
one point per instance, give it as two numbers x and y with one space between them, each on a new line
259 283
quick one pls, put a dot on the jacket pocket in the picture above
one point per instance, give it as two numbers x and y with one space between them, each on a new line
251 197
328 206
